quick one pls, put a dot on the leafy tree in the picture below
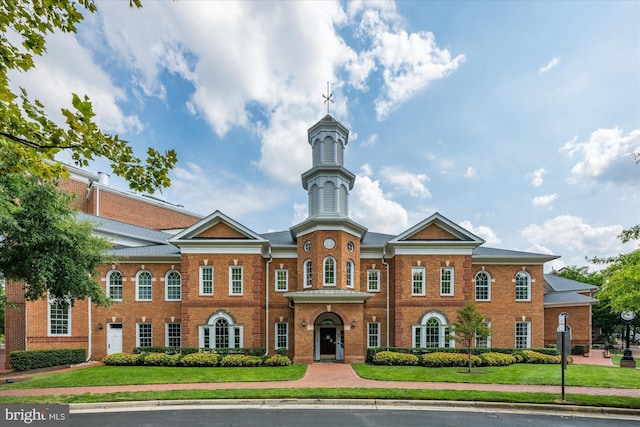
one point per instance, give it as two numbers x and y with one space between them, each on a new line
26 133
470 324
43 244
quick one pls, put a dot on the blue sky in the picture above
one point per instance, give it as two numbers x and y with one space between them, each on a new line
516 120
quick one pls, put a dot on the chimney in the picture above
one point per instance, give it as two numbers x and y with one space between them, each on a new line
103 178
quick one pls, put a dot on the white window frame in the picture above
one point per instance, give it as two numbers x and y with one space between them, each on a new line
475 280
166 286
138 334
307 271
375 280
282 280
235 332
423 283
279 334
50 303
487 340
443 281
351 274
324 271
121 285
166 334
373 334
202 280
517 286
235 282
519 336
138 286
445 337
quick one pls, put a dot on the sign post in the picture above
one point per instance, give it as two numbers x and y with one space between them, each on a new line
563 344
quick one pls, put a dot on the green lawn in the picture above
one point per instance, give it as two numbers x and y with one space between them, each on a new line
575 375
127 375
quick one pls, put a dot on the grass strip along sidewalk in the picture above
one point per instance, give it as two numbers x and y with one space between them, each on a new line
576 375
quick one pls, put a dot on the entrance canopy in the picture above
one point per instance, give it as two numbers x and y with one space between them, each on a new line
328 296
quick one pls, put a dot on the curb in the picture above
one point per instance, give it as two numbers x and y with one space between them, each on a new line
354 404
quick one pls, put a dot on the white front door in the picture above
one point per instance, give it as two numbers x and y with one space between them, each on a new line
339 344
114 338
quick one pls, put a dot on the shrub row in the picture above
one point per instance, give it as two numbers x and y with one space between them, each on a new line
448 359
477 351
194 360
24 360
249 351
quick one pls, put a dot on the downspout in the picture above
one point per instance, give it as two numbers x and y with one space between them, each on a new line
89 329
384 253
266 314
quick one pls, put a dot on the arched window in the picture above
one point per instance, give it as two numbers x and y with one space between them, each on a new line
483 286
173 286
114 285
432 331
350 274
307 273
523 286
143 286
221 331
329 271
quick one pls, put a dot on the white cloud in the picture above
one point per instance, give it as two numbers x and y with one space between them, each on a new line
300 213
372 208
471 173
606 157
68 68
552 64
373 138
366 170
407 182
572 232
490 236
536 177
544 200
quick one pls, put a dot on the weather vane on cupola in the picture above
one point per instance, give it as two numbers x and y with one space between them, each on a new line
327 98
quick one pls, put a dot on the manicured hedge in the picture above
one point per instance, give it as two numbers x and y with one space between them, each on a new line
249 351
194 360
448 359
477 351
36 359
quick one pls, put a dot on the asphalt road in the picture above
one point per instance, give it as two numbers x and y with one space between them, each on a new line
278 417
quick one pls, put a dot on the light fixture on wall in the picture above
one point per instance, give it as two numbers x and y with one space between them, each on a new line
353 323
100 325
304 323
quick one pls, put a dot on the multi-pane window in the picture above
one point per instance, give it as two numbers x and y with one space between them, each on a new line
483 286
432 333
307 273
523 286
417 280
446 281
59 317
373 280
373 334
221 333
235 280
523 330
174 335
484 342
173 286
206 280
144 338
282 335
114 286
350 274
282 280
329 271
143 286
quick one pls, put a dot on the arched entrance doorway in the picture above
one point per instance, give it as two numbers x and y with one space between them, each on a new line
329 338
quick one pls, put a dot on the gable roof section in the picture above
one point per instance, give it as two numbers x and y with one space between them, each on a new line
561 292
554 283
567 299
435 232
484 255
123 234
218 233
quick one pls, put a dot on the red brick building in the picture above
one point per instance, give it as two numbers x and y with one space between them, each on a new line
327 288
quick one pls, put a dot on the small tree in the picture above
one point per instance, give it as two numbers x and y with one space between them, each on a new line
470 325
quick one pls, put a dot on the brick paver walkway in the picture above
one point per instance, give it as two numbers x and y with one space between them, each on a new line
339 375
